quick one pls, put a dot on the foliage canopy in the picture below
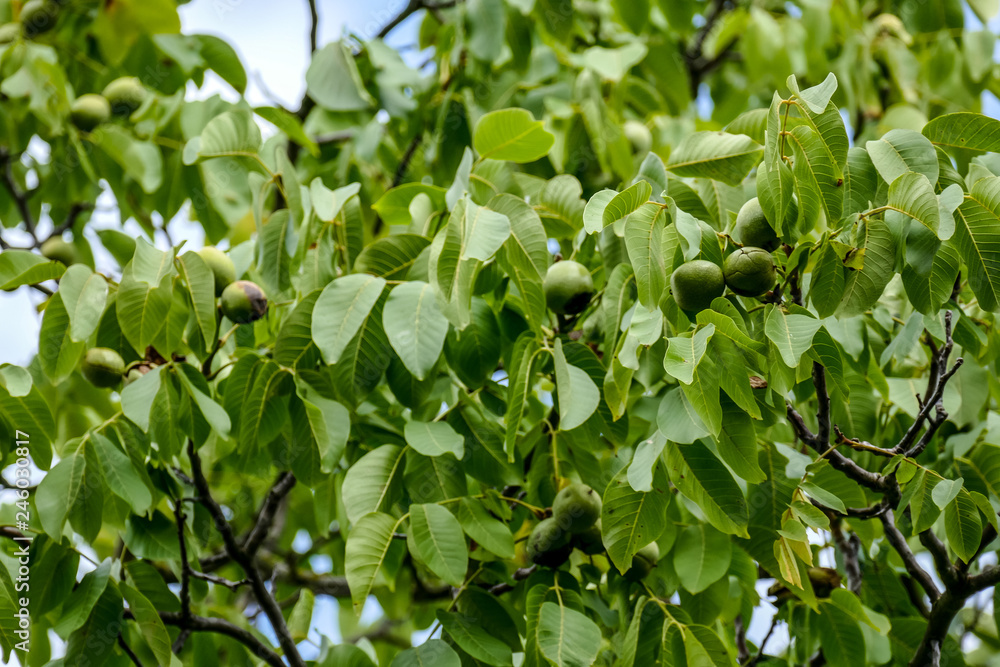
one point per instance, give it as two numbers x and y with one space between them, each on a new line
398 408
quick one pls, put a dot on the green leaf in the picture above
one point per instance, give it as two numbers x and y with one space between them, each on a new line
963 525
59 490
865 286
432 653
434 439
81 601
819 179
624 203
701 556
148 620
647 453
415 326
678 420
977 221
90 643
145 294
684 353
475 639
597 205
566 637
21 267
295 347
119 473
843 641
57 351
230 134
333 79
300 620
578 395
521 381
201 287
700 476
965 130
154 538
512 135
391 257
632 519
437 540
141 160
791 334
614 64
341 310
329 422
827 286
275 247
716 155
372 483
737 444
644 240
900 151
367 546
911 193
489 533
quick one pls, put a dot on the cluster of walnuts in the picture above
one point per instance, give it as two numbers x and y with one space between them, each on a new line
576 523
242 301
748 271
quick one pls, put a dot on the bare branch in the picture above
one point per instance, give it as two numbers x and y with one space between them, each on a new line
898 543
268 510
245 560
224 627
128 651
933 397
19 196
313 26
849 547
942 563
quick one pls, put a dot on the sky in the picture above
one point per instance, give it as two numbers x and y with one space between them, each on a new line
272 41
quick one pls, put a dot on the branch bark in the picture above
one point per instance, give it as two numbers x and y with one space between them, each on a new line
224 627
244 559
898 542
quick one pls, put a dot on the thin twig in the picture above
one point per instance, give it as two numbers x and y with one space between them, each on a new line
128 651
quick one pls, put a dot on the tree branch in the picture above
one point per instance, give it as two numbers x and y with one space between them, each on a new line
942 563
849 547
933 397
245 560
20 197
898 543
128 651
313 26
224 627
265 517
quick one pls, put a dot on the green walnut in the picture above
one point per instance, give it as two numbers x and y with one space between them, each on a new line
125 95
59 250
222 267
9 32
577 508
568 287
749 271
590 541
548 544
243 302
103 367
639 136
38 16
135 372
89 111
643 562
696 283
753 229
